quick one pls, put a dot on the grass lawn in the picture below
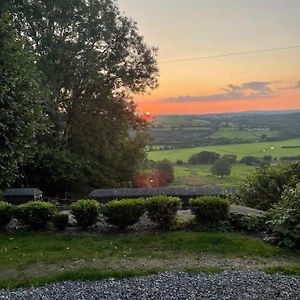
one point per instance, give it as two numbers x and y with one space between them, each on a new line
196 175
256 149
35 258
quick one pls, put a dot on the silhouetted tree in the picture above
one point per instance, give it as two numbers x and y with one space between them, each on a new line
21 97
94 60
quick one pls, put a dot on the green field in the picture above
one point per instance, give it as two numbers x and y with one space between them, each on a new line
235 133
256 149
197 175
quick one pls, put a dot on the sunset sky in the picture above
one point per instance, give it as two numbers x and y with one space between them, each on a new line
198 28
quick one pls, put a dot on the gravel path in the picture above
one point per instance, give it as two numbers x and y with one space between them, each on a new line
165 286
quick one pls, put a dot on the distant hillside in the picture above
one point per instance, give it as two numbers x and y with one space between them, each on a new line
249 112
181 131
275 149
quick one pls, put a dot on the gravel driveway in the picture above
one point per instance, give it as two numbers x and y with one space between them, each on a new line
165 286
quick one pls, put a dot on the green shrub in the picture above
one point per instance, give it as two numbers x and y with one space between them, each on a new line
247 223
60 221
86 212
210 209
204 157
36 214
163 209
125 212
6 213
264 187
284 219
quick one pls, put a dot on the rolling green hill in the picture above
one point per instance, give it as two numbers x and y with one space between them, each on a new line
235 133
256 149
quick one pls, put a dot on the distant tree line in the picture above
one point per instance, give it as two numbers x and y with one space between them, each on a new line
222 165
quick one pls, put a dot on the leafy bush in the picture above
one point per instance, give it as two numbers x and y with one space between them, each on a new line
125 212
284 219
204 157
36 214
247 223
231 158
210 209
250 160
263 188
6 212
163 209
290 158
86 212
166 167
60 221
54 170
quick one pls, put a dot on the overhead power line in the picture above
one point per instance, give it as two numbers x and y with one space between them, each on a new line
229 54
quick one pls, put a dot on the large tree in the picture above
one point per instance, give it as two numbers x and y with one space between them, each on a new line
94 60
221 167
21 96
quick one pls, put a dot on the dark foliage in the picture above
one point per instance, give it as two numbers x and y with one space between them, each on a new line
60 221
163 209
247 223
21 97
35 214
221 167
204 157
210 209
263 188
6 213
86 212
284 219
230 158
250 160
80 48
125 212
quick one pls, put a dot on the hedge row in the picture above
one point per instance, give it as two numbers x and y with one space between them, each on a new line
210 209
120 213
35 214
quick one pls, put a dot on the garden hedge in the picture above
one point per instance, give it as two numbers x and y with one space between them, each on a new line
124 213
210 209
163 209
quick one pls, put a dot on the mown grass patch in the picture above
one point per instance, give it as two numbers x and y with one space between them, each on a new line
255 149
286 270
90 274
21 250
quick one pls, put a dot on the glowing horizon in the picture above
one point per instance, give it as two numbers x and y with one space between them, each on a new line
258 81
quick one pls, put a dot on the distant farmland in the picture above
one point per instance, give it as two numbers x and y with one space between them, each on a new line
235 133
255 149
